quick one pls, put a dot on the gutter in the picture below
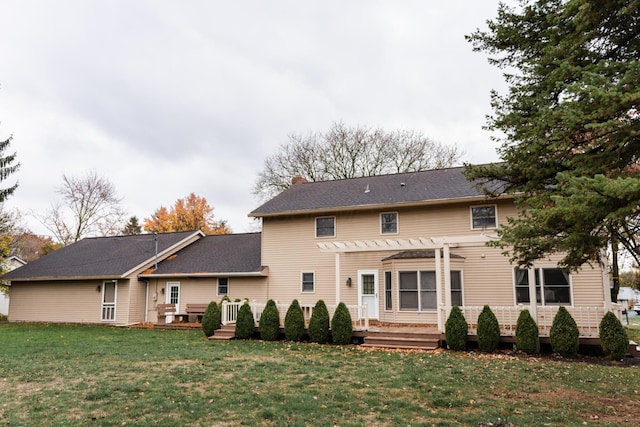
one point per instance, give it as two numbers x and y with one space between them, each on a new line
262 273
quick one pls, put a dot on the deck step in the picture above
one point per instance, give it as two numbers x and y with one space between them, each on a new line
227 332
405 338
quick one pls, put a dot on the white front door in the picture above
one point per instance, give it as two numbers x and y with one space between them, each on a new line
173 297
368 291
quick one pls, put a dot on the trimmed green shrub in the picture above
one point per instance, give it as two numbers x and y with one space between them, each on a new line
226 298
488 330
211 319
564 334
245 323
294 322
456 329
270 322
341 326
527 339
319 324
613 337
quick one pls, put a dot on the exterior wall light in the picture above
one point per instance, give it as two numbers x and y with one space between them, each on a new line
349 281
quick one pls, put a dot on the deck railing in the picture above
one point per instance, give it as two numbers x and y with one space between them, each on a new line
587 318
359 313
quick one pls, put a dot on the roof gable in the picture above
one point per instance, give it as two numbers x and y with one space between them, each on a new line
396 189
100 257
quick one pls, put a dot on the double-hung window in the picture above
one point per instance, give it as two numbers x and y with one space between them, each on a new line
483 217
389 223
326 226
223 286
552 286
308 282
417 290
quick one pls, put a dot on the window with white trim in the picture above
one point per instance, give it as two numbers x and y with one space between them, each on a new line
326 226
308 283
417 290
483 217
456 288
553 286
389 223
388 294
223 286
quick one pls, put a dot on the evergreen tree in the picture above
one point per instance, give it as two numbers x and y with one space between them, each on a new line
571 120
8 166
270 322
613 337
527 334
294 322
132 227
319 323
245 323
488 330
211 319
564 334
341 325
456 330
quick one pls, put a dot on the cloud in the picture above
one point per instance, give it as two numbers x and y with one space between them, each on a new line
166 98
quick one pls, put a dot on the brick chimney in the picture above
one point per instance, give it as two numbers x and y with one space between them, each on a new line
298 180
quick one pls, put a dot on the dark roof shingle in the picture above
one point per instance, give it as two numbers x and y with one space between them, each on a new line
222 253
403 188
98 257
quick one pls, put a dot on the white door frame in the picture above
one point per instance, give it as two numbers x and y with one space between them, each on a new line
372 311
108 310
169 286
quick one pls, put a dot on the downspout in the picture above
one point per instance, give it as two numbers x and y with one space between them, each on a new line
146 303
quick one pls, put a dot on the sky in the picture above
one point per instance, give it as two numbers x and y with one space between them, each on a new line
165 98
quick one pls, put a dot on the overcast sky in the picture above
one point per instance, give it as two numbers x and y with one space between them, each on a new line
166 98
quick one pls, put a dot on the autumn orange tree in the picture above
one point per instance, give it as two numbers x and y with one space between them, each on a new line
191 213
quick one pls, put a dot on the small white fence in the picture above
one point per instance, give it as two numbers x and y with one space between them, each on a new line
359 313
587 318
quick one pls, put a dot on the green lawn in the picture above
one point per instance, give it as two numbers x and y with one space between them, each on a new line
54 375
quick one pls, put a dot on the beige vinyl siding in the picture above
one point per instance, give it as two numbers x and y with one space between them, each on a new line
68 302
137 300
204 290
289 249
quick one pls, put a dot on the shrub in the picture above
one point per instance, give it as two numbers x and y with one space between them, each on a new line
527 333
456 329
294 322
613 337
270 322
488 330
319 324
564 334
211 319
341 326
245 324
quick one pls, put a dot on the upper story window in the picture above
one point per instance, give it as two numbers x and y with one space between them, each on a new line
389 223
326 226
483 217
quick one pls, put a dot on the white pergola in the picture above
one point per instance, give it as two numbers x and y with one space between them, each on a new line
440 245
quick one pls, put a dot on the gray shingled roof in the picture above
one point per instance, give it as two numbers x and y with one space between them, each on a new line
99 257
404 188
223 253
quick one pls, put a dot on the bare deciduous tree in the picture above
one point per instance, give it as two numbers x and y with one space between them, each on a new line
89 207
349 152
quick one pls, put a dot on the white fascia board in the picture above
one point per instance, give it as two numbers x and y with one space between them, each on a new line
165 253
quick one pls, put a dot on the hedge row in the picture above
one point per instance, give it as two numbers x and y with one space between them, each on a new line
319 331
564 333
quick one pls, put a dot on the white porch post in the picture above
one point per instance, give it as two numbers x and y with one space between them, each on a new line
441 320
533 300
337 278
447 278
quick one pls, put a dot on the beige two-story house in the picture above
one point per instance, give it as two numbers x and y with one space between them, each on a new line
398 249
